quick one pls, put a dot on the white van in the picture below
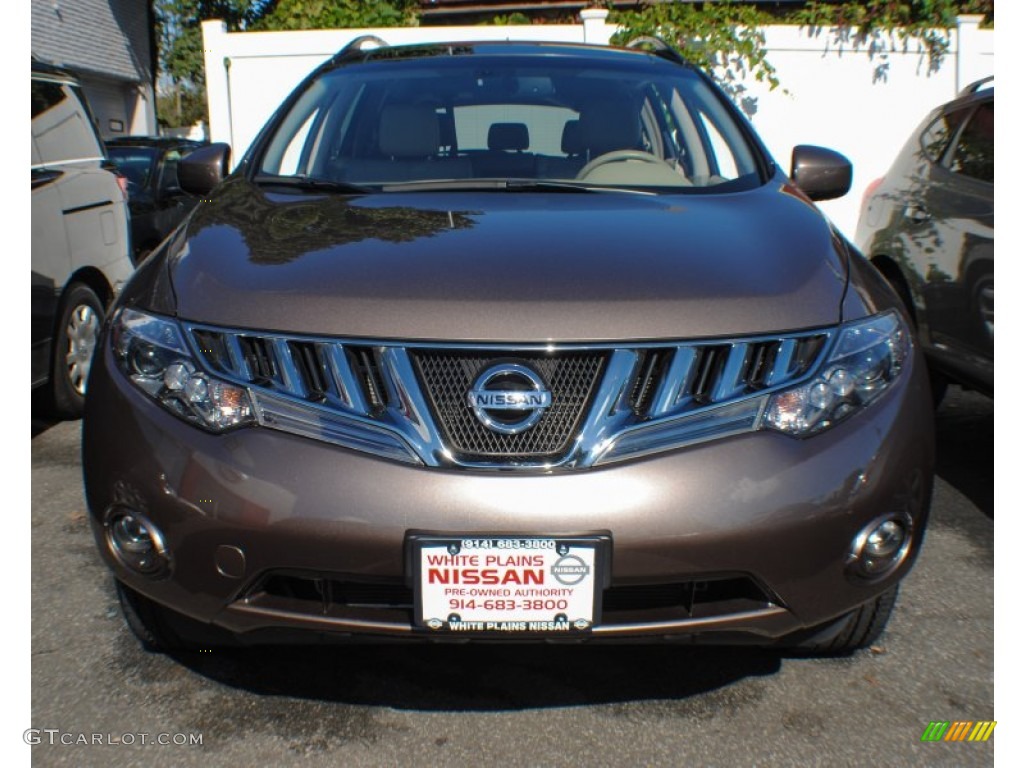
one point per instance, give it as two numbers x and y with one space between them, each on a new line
80 240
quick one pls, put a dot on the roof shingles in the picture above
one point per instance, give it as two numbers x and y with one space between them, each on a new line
109 37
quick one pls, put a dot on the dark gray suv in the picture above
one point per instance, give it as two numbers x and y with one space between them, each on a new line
928 225
508 341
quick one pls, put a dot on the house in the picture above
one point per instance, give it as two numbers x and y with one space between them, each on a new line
109 45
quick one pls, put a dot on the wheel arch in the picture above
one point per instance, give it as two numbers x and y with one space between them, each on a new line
95 280
894 275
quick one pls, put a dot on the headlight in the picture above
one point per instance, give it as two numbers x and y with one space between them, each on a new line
867 358
152 353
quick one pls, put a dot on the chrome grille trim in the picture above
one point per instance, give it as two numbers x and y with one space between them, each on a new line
702 390
320 423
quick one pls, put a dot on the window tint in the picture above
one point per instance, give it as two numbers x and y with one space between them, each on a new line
974 153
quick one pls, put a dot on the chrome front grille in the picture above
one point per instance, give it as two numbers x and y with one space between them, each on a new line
409 402
447 376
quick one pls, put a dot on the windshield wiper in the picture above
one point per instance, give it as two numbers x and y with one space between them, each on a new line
311 183
503 185
531 185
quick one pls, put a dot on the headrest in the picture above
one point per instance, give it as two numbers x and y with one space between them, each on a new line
610 125
508 136
572 138
409 130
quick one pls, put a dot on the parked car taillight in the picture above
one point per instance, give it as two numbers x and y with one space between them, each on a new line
869 191
122 182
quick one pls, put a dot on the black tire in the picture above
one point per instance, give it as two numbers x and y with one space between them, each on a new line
161 630
146 621
983 305
74 340
859 629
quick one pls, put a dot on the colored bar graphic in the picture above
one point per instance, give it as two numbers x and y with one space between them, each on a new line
958 730
982 731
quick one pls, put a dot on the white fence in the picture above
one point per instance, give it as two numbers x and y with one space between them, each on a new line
860 98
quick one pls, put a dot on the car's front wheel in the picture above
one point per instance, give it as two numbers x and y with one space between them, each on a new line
858 629
161 630
146 621
78 331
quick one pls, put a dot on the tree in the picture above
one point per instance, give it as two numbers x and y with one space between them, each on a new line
180 43
339 14
180 37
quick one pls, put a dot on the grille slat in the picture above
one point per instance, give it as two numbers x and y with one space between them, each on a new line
673 384
448 376
363 361
759 364
709 365
651 369
730 382
287 367
311 370
258 359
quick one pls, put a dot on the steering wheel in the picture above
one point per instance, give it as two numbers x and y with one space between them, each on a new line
616 156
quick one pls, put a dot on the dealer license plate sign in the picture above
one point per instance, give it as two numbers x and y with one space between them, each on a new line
497 585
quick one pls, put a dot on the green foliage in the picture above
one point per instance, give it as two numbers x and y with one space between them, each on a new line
181 107
723 36
508 20
339 14
179 37
926 20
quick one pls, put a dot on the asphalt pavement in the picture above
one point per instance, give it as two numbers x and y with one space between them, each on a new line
97 696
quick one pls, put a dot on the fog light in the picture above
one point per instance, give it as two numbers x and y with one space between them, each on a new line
136 542
881 546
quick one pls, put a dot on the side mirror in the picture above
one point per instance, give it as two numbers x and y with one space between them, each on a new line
204 169
820 173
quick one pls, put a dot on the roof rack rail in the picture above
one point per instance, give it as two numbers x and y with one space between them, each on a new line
660 48
355 46
977 85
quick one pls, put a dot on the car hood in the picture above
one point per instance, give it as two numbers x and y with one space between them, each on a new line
509 266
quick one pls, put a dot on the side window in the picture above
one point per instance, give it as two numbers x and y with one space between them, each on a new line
292 159
937 135
62 128
169 177
974 153
45 95
720 151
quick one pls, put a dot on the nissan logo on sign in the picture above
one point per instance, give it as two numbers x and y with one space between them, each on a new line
509 398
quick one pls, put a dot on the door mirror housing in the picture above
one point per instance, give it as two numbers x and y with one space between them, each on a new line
204 169
820 173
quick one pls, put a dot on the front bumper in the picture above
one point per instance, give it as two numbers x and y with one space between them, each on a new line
759 525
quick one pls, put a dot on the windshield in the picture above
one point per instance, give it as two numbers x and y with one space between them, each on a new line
562 119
